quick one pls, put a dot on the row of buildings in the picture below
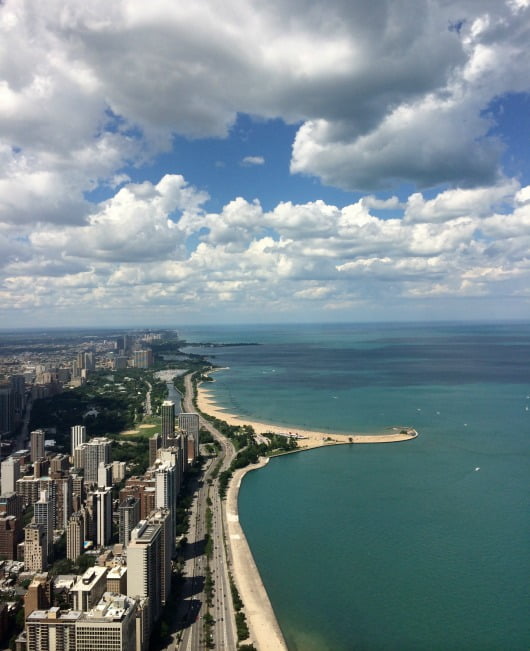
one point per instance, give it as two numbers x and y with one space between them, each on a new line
74 494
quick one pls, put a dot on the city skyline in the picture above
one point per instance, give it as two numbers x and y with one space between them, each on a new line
165 165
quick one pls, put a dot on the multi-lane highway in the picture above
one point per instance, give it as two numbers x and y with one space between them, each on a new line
193 634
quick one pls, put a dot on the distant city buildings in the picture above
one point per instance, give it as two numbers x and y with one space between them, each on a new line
143 358
115 604
7 409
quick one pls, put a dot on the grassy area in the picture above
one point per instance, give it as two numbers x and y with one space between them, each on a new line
144 430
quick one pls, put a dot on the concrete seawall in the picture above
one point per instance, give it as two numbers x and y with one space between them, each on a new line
262 623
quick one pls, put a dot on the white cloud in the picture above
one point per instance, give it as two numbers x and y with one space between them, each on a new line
382 92
385 90
253 160
133 252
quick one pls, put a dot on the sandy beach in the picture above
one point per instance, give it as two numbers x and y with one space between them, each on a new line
306 438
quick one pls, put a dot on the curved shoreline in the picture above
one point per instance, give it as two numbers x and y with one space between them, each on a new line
307 439
263 625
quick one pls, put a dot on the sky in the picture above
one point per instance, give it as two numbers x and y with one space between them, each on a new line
166 163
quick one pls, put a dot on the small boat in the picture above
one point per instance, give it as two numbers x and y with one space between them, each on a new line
477 468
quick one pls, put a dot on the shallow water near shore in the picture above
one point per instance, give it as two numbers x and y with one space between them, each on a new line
413 545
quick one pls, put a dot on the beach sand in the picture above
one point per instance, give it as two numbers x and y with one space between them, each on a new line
308 438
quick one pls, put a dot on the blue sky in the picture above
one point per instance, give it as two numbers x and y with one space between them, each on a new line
165 164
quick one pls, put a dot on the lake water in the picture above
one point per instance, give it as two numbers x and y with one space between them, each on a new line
416 545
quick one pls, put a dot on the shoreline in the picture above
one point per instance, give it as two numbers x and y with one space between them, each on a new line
307 439
265 631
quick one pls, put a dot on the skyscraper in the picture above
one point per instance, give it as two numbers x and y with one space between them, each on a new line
189 423
143 358
144 566
37 444
10 532
75 535
43 515
102 516
104 475
97 450
163 518
78 433
129 516
166 493
7 411
154 444
10 474
18 393
167 411
35 548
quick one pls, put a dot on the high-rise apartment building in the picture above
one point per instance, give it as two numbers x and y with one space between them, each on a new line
18 393
167 411
75 535
43 515
143 358
173 456
63 501
35 548
7 411
129 516
89 588
96 451
10 534
37 444
78 436
100 501
39 593
144 489
189 423
119 469
166 492
163 518
110 625
79 459
144 566
51 630
104 475
10 474
11 504
154 444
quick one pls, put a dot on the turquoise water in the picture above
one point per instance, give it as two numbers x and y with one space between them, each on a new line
418 545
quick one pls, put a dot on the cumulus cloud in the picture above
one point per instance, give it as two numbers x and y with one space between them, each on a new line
154 247
385 91
380 92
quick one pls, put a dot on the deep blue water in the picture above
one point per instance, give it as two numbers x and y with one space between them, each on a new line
417 545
